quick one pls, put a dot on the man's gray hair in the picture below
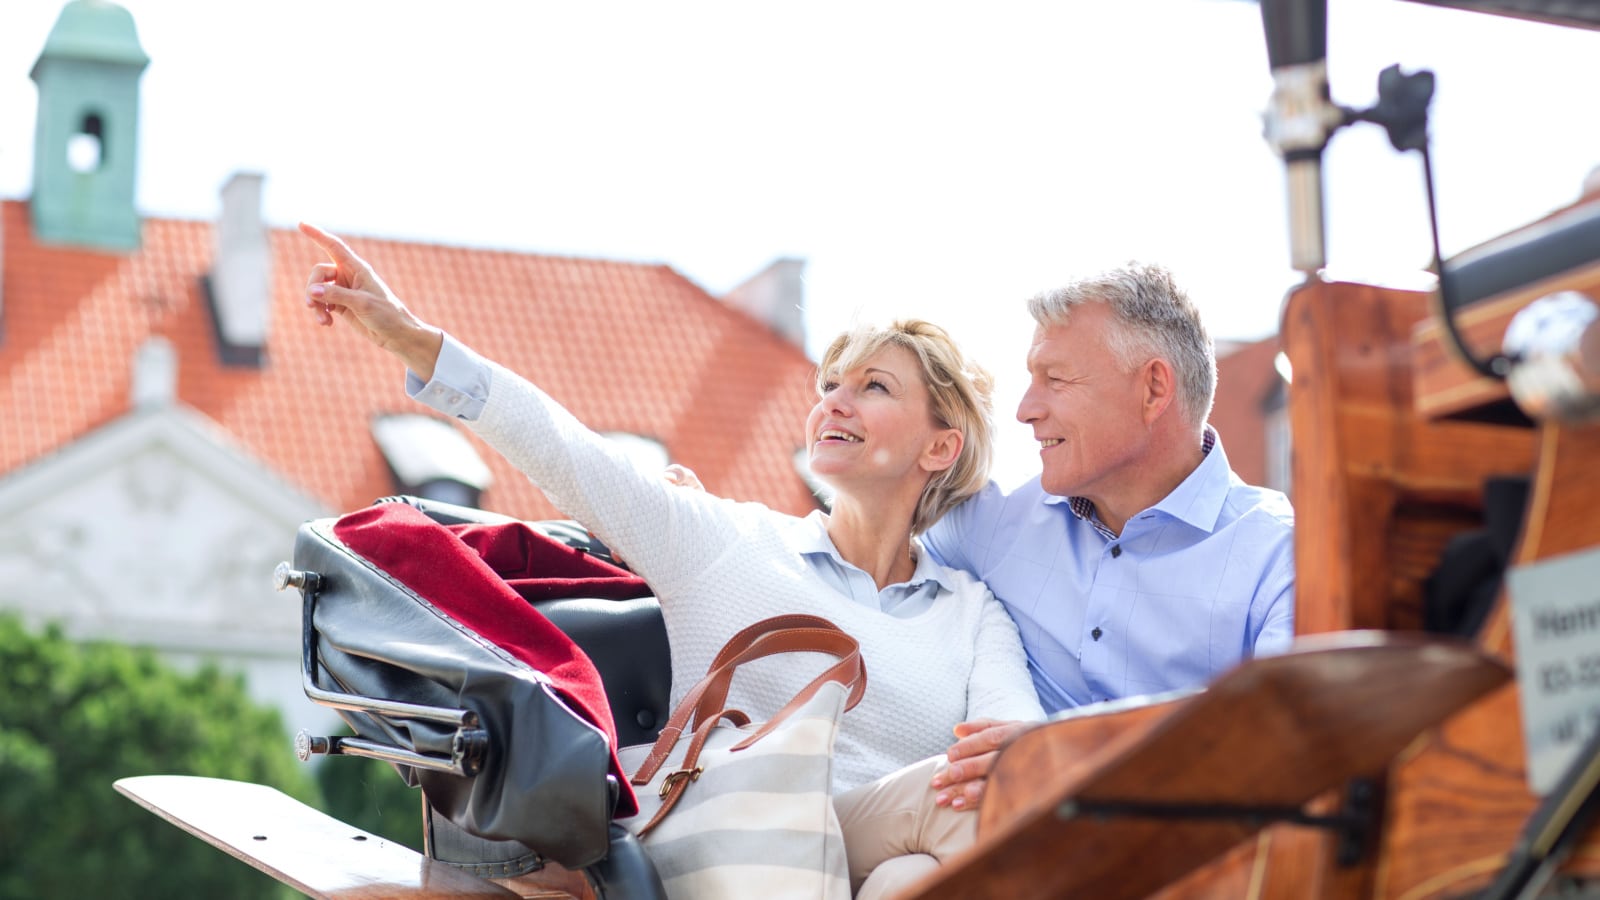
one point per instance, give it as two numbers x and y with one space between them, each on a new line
1151 317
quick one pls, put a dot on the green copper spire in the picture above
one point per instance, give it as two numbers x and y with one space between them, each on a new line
86 137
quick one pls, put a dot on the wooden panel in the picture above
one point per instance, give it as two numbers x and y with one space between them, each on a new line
1274 732
1378 492
1074 746
550 883
1445 385
1370 478
1237 873
1459 798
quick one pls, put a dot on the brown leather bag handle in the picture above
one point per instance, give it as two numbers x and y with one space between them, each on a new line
831 641
717 695
849 672
763 639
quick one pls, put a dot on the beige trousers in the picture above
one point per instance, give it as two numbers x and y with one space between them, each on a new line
893 832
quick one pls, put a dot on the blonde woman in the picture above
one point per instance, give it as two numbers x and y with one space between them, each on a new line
900 431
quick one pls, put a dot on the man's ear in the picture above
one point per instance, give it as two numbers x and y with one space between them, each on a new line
943 450
1158 389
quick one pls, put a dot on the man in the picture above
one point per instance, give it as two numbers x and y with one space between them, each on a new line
1136 562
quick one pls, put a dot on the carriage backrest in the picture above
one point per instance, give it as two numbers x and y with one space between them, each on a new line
626 641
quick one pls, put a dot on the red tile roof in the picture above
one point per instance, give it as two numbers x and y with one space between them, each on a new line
628 347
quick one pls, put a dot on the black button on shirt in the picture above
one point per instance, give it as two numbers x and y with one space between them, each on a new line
1116 550
1096 634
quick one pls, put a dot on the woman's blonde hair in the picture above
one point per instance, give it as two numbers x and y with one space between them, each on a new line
960 397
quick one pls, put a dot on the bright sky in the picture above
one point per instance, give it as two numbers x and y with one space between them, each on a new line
939 159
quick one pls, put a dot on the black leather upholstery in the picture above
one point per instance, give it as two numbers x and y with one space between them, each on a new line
627 642
541 778
627 872
625 639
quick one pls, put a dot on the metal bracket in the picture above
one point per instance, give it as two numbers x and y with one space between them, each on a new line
467 748
1352 824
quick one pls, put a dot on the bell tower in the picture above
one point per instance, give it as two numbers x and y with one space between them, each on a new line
86 137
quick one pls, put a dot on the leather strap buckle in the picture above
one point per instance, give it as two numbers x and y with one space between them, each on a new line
681 775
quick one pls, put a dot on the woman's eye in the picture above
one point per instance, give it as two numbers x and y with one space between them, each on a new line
829 385
876 384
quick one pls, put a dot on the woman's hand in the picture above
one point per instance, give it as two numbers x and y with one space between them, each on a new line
960 785
349 288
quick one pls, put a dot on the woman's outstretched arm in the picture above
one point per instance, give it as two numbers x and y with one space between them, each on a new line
667 536
348 288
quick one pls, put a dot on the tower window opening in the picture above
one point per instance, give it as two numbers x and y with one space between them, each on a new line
86 149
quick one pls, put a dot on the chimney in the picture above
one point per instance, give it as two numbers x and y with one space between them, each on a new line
155 374
239 286
775 296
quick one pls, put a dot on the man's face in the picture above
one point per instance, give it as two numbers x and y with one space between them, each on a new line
1085 408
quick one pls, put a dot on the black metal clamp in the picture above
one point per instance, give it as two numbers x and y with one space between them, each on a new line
1352 824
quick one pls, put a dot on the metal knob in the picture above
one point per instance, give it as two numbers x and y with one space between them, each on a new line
286 576
306 744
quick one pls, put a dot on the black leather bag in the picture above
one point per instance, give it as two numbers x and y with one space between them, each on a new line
500 748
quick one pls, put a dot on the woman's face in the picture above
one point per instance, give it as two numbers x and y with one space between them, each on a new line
873 422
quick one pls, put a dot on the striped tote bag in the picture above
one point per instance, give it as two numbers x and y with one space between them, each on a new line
730 808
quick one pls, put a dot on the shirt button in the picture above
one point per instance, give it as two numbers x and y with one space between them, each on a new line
1096 634
1116 550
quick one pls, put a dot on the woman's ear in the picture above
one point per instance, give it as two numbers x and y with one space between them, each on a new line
943 450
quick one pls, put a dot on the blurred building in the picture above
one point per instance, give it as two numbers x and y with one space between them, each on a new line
1251 410
171 413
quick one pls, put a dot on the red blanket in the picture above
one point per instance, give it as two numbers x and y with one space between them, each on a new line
480 575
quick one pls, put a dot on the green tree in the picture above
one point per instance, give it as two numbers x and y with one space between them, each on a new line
76 717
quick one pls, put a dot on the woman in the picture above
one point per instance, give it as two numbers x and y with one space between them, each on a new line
901 433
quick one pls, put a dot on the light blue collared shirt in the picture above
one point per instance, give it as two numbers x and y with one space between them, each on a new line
1192 586
911 598
460 387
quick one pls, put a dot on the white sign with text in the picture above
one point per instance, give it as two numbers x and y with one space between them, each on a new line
1555 609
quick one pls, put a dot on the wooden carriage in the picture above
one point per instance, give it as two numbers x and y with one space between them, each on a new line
1374 760
1395 440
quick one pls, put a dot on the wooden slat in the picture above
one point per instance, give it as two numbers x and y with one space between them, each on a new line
300 846
1274 732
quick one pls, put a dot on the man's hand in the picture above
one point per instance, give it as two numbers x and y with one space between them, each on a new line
960 785
682 476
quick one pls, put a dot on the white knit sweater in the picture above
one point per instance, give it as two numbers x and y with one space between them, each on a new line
717 566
